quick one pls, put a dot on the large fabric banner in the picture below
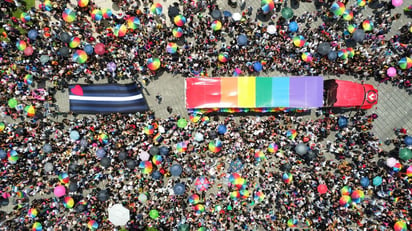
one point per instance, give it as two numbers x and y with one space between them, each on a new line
254 92
106 98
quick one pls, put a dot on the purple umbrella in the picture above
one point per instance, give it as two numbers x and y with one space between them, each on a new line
111 67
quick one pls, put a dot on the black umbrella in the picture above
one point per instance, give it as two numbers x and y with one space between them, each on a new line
20 131
179 189
310 155
73 168
131 164
332 55
286 167
65 37
324 48
122 155
80 208
105 162
73 187
63 51
173 11
216 14
5 202
350 43
103 195
358 35
154 150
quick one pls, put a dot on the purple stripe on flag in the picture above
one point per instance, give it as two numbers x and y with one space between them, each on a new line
306 92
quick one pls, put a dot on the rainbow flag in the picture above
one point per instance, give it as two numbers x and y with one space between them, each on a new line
254 92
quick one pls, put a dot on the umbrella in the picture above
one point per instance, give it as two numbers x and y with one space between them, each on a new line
73 168
338 8
350 43
153 63
301 149
400 225
364 181
227 13
119 215
293 26
100 153
99 49
47 148
405 63
12 103
358 35
236 16
74 135
103 195
235 165
287 13
37 226
154 214
332 55
105 162
156 175
390 162
216 14
408 140
179 189
32 34
271 29
156 8
267 6
3 154
163 150
73 187
154 150
69 15
64 51
322 188
202 183
88 49
405 154
92 225
131 164
173 11
146 167
142 197
176 170
215 146
182 123
111 67
123 155
397 3
242 40
179 20
144 155
198 137
216 25
377 181
257 66
44 59
221 129
48 167
59 191
391 72
342 122
65 37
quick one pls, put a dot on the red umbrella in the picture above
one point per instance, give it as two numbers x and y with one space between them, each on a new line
99 49
322 188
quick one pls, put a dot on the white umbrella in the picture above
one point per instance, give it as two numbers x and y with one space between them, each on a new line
119 215
236 16
144 155
142 197
271 29
391 162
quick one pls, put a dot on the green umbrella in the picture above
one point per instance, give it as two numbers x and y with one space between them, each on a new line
182 123
405 154
183 227
287 13
377 181
154 213
12 103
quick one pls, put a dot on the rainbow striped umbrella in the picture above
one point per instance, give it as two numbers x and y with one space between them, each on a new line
244 194
307 57
47 5
345 201
287 177
292 223
267 6
64 178
181 147
177 32
80 56
345 190
74 42
92 225
32 212
171 48
361 3
82 3
351 28
367 25
216 25
68 202
338 8
194 199
235 195
357 196
156 8
409 171
96 15
397 167
259 196
351 52
103 138
291 134
133 23
107 13
299 41
157 159
2 126
223 57
405 63
260 156
272 148
400 226
28 79
12 156
153 64
199 208
343 54
347 15
69 15
215 146
25 17
179 20
120 30
30 110
21 45
36 226
146 167
148 130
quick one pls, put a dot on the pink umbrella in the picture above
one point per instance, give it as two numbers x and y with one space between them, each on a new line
99 49
391 72
59 191
322 189
397 3
28 51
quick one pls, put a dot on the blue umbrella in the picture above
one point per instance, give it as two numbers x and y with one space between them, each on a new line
164 151
242 40
88 49
377 181
332 55
176 170
100 153
3 154
179 189
364 181
221 129
235 166
32 34
74 135
257 66
47 148
156 175
342 122
293 26
227 14
408 140
199 137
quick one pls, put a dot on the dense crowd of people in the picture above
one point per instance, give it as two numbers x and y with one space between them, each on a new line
277 172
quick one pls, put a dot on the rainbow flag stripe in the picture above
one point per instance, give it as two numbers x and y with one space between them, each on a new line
254 92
